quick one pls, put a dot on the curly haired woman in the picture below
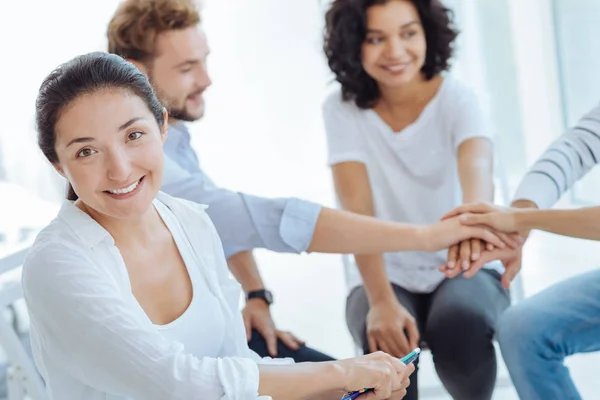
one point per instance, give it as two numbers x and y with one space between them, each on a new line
408 142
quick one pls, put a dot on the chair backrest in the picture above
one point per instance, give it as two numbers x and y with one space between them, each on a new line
13 260
18 357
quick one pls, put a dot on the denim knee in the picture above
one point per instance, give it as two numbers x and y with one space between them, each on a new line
518 329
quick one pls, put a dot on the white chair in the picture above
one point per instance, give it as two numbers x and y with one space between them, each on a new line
24 382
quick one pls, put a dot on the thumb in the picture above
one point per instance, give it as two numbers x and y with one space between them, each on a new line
248 326
271 340
368 395
505 282
511 270
408 371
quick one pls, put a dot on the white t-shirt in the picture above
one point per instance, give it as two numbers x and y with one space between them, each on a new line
413 173
91 339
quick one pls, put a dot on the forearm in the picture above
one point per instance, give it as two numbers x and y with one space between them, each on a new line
476 170
583 223
477 183
243 267
375 279
299 381
349 233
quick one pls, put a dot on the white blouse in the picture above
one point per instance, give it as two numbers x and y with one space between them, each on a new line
201 327
91 339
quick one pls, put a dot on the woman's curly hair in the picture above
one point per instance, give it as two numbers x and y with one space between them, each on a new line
345 32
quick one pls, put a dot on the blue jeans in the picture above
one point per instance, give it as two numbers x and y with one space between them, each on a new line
538 334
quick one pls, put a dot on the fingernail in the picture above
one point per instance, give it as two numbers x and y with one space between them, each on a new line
463 218
465 264
521 239
502 244
451 264
474 256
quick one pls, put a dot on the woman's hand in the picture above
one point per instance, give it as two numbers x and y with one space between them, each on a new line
511 258
391 328
500 221
495 217
499 218
450 231
461 255
378 371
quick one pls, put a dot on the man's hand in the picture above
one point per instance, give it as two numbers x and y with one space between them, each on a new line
257 315
387 322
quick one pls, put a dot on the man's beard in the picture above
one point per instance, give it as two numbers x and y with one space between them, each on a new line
176 113
181 114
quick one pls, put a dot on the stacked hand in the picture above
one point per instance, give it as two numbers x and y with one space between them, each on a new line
471 255
451 230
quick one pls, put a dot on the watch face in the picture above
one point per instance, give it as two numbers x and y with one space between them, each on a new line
268 297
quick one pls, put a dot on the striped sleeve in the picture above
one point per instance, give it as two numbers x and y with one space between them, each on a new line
566 161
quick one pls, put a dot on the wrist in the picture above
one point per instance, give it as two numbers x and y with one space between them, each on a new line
255 303
525 220
523 206
422 236
382 297
262 295
337 372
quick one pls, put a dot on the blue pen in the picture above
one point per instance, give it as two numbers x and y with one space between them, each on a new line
407 359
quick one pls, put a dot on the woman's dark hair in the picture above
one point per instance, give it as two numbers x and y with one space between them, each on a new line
345 32
86 74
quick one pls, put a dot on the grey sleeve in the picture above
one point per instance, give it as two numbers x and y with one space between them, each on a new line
566 161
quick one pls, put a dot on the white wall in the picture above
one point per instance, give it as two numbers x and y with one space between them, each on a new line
263 132
36 37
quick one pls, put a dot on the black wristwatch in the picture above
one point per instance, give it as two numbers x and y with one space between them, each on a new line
264 294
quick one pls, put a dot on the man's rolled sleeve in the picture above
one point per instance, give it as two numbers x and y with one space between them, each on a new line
298 223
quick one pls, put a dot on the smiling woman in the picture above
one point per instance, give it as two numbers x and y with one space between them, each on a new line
80 154
407 143
128 289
